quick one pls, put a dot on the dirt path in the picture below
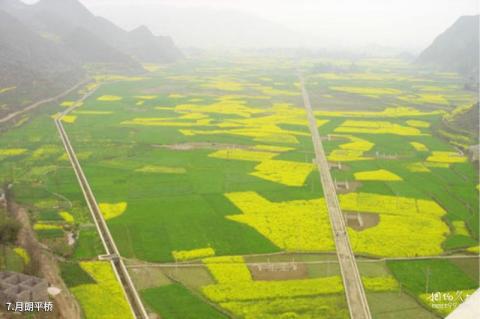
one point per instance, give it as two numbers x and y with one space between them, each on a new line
37 104
66 304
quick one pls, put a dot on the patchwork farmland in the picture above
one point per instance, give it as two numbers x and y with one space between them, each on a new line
205 174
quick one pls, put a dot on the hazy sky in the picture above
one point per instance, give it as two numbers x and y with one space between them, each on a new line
407 24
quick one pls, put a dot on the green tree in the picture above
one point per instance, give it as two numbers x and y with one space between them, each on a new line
9 231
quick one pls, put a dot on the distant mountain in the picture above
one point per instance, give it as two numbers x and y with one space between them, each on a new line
90 49
461 128
69 21
31 64
456 49
45 46
468 120
147 48
208 27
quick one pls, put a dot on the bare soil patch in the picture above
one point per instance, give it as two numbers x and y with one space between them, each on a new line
339 166
333 138
344 187
362 221
201 145
278 271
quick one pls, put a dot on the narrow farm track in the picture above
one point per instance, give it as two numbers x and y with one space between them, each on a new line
195 263
116 260
352 282
44 101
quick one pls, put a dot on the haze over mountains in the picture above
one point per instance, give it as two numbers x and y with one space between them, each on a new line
334 24
209 28
43 47
456 49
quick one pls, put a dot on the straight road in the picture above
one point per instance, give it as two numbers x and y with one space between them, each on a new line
354 291
116 260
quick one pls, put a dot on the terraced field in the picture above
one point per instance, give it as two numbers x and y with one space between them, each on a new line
203 171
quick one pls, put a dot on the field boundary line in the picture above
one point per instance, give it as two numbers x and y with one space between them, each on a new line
131 295
198 263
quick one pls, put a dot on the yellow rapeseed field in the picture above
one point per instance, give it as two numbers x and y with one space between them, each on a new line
300 225
460 228
257 290
243 155
283 172
263 127
422 99
418 168
20 251
105 298
165 122
401 236
273 148
446 157
146 97
69 119
346 156
367 91
12 151
67 103
419 146
436 164
66 216
5 90
386 204
109 98
271 91
417 123
223 106
388 112
41 226
357 143
290 307
193 116
110 211
475 249
377 127
378 175
161 169
228 269
150 67
45 151
277 136
352 151
182 255
407 226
